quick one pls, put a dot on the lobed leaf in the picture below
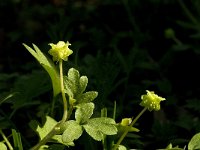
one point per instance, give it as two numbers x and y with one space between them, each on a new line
194 142
45 129
83 112
68 86
73 76
95 134
3 146
87 97
72 131
75 86
122 147
97 127
83 81
58 139
52 147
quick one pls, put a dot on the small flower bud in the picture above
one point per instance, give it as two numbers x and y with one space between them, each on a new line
125 121
60 51
151 101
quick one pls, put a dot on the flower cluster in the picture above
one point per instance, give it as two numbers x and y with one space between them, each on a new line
60 51
151 101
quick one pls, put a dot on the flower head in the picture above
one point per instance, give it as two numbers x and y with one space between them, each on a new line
60 51
151 101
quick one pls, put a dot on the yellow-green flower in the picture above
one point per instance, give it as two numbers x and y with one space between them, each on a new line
126 121
151 101
60 51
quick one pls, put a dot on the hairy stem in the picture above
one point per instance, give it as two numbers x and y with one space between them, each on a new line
127 129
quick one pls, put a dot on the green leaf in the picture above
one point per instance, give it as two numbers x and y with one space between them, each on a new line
48 65
73 76
7 97
170 147
71 82
72 131
58 139
83 81
194 142
122 147
17 140
87 97
68 86
75 86
97 127
122 128
52 147
3 146
95 134
45 129
83 112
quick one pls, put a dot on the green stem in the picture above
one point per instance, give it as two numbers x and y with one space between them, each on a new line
52 106
187 12
127 129
130 16
6 140
65 111
177 41
46 138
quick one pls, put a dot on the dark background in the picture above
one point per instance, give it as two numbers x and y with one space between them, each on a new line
124 47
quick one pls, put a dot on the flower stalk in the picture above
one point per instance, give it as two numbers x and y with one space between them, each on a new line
127 129
65 111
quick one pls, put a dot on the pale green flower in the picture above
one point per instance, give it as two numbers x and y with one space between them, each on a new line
151 101
60 51
126 121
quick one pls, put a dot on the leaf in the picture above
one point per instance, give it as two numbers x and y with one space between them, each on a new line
75 86
87 97
83 81
97 127
17 140
121 129
95 134
52 147
7 97
58 139
45 129
71 82
170 147
194 142
3 146
72 131
122 147
83 112
73 76
48 65
68 86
